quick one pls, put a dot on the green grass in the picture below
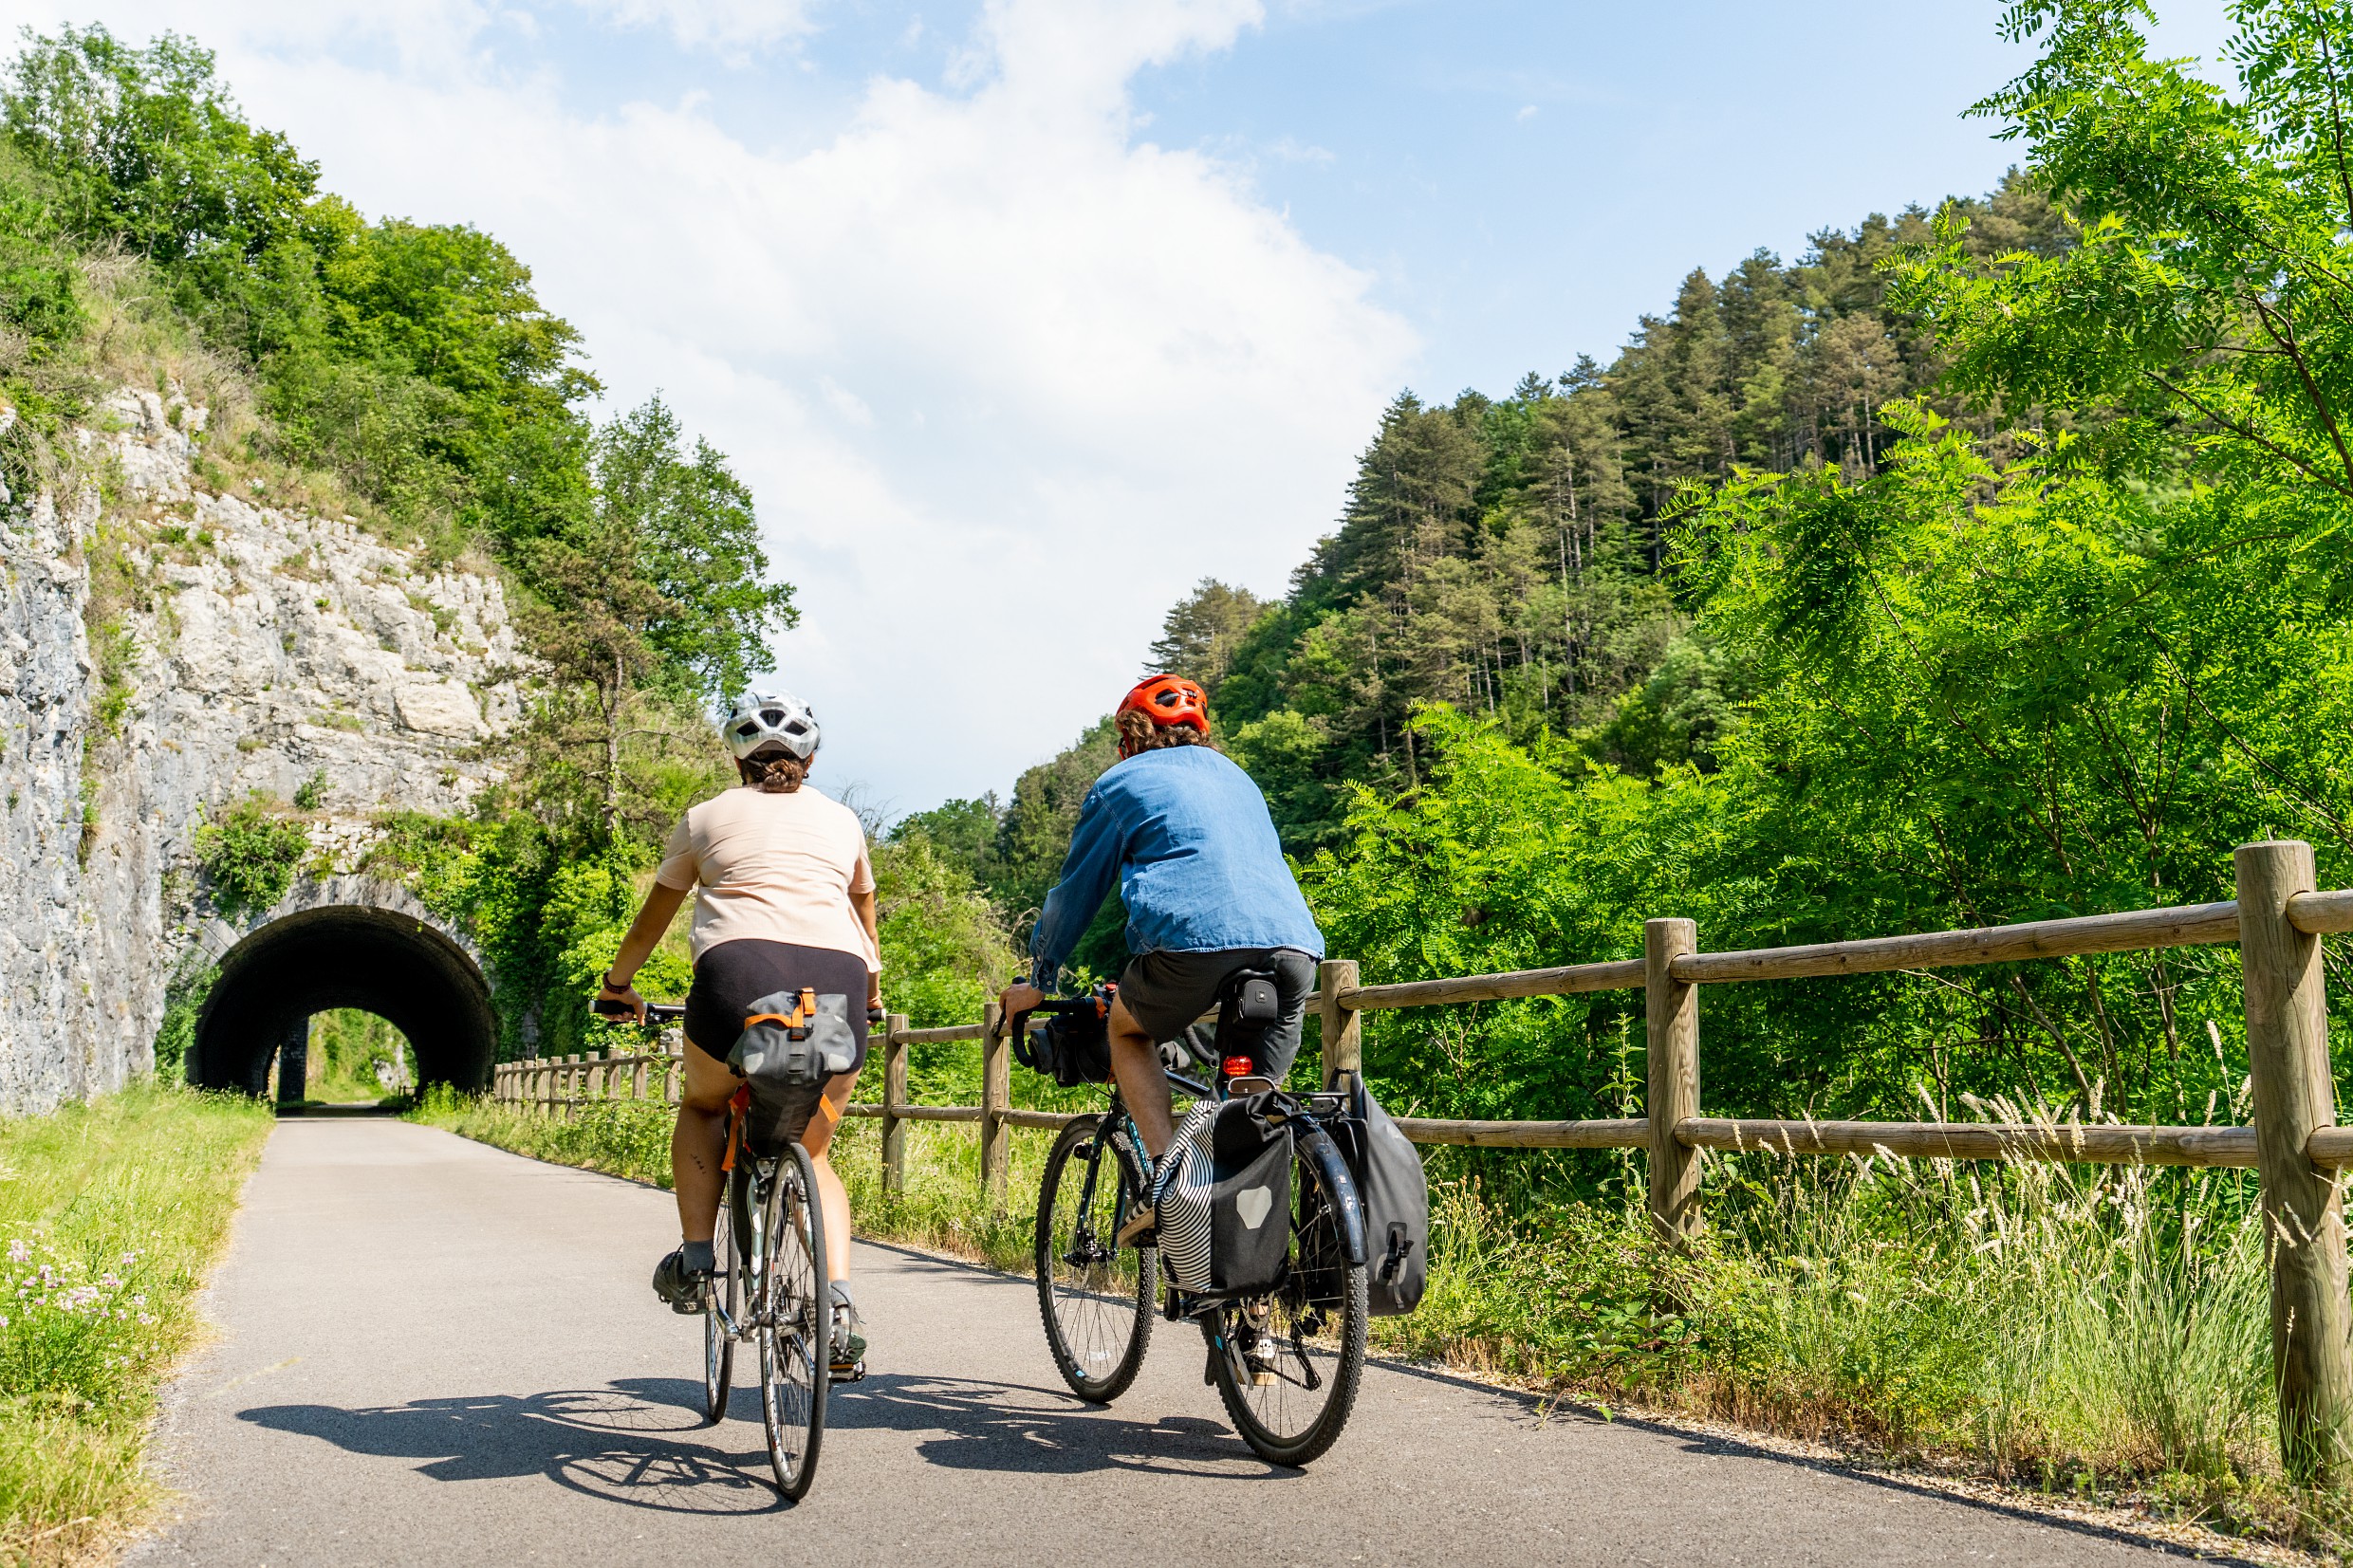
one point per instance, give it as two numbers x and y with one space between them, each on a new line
110 1215
619 1137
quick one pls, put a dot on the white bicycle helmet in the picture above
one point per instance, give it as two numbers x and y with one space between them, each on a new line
771 718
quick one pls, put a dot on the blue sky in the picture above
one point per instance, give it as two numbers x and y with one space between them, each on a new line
1022 317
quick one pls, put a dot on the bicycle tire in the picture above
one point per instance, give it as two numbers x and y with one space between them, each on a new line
796 1324
1281 1425
1096 1300
727 1287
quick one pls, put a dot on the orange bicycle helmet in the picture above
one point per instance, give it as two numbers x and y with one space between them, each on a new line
1166 700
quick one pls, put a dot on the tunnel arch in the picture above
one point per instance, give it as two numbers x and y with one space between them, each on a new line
343 942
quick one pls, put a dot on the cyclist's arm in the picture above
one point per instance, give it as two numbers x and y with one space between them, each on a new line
863 904
645 933
1097 844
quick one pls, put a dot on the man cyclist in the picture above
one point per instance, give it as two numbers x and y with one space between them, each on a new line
1188 837
783 899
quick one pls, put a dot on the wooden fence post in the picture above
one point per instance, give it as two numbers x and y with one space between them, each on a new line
2304 1217
1343 1028
894 1095
637 1077
1671 1030
997 1082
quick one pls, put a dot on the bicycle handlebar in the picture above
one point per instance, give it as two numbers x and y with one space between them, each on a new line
673 1012
656 1012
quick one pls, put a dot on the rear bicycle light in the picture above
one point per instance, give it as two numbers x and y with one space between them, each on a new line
1238 1066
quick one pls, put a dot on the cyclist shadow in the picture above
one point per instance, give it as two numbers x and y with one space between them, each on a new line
640 1441
974 1424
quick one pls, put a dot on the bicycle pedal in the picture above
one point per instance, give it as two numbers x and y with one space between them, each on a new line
854 1372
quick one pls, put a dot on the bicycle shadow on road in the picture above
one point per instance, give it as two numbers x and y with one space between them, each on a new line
976 1424
638 1442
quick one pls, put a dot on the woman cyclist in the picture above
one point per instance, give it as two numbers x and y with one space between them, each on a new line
783 899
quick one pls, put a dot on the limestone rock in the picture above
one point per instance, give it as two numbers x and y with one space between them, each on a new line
264 649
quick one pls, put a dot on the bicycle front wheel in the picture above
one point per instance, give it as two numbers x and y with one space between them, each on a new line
796 1325
1286 1365
727 1289
1094 1296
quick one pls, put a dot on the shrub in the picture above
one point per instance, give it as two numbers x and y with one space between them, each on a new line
250 854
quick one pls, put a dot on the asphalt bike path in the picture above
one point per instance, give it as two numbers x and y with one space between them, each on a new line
435 1352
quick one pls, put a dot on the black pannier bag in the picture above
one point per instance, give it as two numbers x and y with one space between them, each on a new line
1071 1049
1396 1195
794 1044
1224 1200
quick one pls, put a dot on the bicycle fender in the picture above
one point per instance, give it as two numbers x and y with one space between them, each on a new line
1332 1171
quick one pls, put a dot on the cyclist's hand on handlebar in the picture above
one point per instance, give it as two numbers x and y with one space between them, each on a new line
630 1005
1019 997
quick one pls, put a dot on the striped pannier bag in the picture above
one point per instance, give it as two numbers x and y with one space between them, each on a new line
1224 1200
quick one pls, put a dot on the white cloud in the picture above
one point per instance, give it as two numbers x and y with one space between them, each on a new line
697 23
1005 377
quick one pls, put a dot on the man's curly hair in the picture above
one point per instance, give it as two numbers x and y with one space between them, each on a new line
1142 734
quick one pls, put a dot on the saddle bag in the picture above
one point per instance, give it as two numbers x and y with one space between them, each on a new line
1224 1197
1248 1005
1396 1195
794 1044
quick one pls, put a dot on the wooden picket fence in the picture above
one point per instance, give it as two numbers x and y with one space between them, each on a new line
2294 1144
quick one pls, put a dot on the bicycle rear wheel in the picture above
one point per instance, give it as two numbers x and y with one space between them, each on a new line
796 1325
1095 1297
727 1288
1286 1365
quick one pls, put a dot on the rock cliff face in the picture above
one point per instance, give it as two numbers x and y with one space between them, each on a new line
165 650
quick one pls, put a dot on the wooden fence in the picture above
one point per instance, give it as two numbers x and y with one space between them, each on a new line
2295 1144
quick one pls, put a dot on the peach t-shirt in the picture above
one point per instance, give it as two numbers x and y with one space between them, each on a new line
777 868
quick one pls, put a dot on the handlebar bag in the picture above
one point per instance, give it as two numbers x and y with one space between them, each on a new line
1071 1049
794 1044
1395 1195
1224 1197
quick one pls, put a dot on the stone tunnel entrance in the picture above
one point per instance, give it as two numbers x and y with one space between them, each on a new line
348 943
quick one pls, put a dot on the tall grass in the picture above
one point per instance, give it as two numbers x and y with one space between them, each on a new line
110 1214
620 1138
2056 1325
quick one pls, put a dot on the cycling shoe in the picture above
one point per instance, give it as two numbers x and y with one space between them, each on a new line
680 1287
849 1346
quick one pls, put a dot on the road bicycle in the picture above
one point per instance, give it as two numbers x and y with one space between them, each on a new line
1286 1364
768 1289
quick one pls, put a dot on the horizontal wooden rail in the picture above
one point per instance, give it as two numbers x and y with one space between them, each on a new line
1975 1140
1622 1133
939 1037
2194 925
1623 975
1047 1121
937 1113
2330 1147
2317 913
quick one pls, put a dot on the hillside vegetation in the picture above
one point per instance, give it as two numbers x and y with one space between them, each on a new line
407 373
1983 565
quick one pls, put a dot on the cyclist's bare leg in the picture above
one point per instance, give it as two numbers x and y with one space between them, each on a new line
1143 1080
835 1198
699 1142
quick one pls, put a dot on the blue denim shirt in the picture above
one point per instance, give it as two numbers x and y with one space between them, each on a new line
1200 869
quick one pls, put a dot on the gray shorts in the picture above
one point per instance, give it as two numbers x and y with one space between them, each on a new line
1166 991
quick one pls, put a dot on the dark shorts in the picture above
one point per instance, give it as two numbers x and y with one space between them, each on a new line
731 976
1165 991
